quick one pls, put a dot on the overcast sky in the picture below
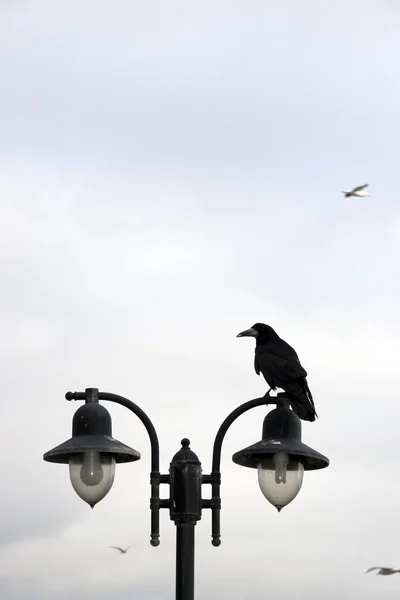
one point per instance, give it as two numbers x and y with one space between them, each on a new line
171 173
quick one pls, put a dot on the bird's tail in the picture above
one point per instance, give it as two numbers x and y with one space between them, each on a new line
301 400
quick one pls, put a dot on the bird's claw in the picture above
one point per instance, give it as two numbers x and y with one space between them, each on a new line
268 394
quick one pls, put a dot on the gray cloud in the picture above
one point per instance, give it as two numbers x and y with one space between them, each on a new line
170 176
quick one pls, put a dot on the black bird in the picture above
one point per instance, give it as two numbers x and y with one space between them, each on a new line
281 368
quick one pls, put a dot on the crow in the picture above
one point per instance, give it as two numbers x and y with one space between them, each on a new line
281 368
383 570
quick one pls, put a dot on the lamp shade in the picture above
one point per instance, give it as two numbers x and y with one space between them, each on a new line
92 432
281 434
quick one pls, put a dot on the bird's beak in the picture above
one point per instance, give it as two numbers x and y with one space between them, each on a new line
248 333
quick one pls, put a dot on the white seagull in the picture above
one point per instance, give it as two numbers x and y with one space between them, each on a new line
383 570
122 550
358 191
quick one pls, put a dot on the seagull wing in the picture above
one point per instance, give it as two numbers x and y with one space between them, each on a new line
360 187
116 548
372 569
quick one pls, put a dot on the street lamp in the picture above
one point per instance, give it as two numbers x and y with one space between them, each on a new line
280 457
92 454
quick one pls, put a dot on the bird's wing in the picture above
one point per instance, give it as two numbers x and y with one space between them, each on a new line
280 361
116 548
373 569
360 187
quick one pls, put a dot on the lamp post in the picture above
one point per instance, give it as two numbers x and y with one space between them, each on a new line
92 453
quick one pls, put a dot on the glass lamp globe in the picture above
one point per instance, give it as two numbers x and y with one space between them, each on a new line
92 475
280 478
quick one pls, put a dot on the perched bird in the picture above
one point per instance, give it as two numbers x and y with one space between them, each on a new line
383 570
358 191
281 368
122 550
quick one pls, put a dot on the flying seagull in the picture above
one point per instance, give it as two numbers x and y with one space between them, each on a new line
122 550
281 368
358 191
383 570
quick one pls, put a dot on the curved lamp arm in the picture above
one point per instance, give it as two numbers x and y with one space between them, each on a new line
215 479
155 478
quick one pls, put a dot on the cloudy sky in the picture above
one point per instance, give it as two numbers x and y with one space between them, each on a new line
172 173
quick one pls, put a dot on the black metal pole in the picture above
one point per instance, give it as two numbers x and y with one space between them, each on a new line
185 544
185 511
